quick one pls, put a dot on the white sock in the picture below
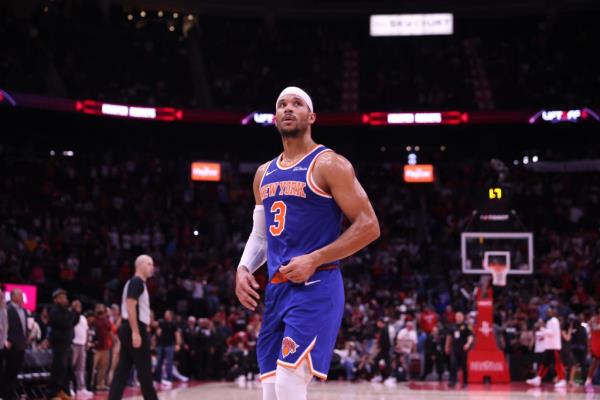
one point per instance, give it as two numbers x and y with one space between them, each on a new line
268 388
292 384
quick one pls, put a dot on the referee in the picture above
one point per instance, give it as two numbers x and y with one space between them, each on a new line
133 333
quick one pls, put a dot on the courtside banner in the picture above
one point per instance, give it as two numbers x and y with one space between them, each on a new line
420 173
205 171
412 24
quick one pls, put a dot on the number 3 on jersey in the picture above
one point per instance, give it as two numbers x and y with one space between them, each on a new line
279 209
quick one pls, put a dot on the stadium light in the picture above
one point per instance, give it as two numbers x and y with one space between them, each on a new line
412 159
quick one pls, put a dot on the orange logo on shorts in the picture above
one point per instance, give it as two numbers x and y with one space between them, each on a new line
288 346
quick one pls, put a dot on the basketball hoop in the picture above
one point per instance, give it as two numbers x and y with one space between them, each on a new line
499 273
497 263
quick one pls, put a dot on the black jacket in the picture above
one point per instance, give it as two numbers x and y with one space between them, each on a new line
16 335
62 324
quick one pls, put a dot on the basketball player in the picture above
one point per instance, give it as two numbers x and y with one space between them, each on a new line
133 333
594 346
552 343
301 196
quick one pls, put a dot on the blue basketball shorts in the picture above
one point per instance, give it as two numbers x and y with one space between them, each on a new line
301 322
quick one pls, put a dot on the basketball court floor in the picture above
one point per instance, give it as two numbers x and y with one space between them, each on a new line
360 391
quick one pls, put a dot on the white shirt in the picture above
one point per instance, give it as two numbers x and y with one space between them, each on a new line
81 331
553 334
540 341
405 340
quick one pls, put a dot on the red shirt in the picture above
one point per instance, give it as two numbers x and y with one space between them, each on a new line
428 321
449 316
103 331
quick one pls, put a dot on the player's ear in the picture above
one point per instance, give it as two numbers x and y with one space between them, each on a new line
312 117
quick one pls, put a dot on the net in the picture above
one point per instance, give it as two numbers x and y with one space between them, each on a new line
499 273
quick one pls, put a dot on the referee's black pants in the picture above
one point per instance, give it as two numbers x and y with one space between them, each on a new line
458 360
139 357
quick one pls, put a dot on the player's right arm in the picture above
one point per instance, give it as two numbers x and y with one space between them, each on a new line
255 252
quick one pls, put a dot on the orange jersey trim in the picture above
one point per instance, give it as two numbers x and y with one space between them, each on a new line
305 356
309 178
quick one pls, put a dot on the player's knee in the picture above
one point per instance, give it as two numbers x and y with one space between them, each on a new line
291 383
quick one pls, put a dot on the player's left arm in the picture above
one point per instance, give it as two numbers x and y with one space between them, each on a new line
334 174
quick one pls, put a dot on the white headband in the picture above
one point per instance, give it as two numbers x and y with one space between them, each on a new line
298 92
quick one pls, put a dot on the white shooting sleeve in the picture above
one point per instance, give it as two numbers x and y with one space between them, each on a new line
255 252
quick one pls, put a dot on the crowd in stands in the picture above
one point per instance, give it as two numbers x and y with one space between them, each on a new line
78 223
101 51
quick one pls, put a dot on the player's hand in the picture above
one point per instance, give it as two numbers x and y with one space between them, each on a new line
136 340
299 269
246 289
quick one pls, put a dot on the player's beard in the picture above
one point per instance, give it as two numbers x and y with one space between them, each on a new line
291 132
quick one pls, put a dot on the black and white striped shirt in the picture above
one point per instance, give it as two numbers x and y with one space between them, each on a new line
136 289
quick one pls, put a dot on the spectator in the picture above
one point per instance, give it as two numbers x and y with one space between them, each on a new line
102 347
383 361
16 343
62 323
115 321
80 344
43 321
187 354
406 345
566 352
428 320
540 344
350 359
434 354
579 347
168 342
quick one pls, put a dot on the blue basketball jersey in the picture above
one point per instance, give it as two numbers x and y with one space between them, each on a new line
300 217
